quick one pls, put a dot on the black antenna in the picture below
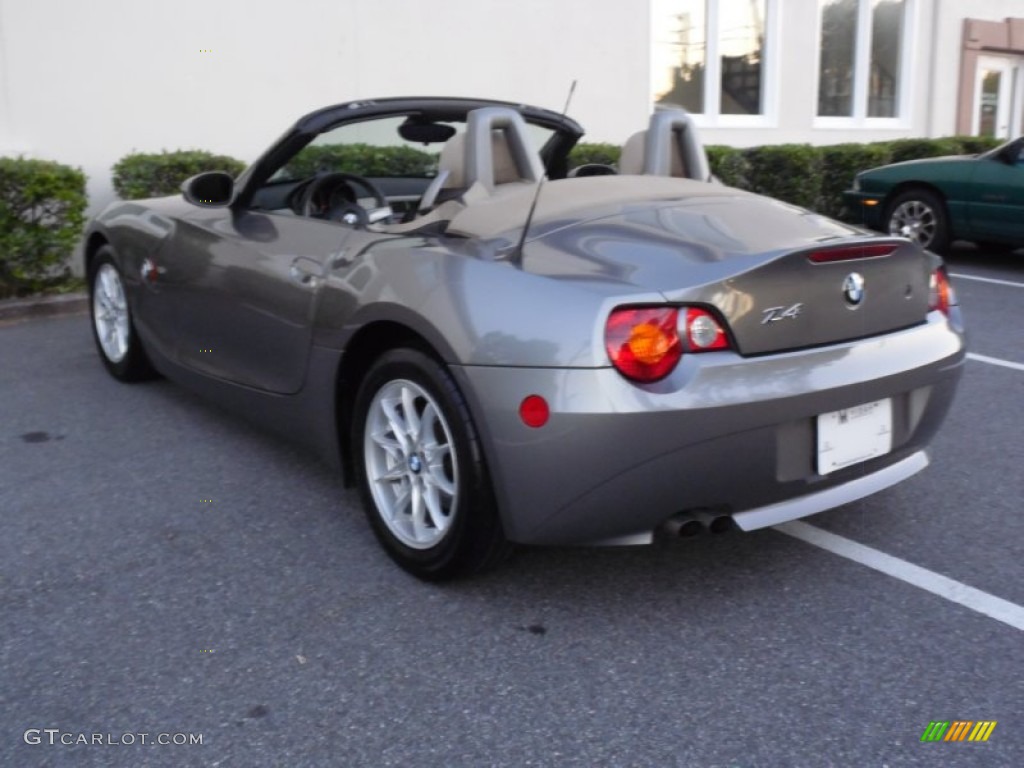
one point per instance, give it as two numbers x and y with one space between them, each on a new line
517 254
572 90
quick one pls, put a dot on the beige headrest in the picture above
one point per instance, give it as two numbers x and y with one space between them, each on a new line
453 160
632 159
505 170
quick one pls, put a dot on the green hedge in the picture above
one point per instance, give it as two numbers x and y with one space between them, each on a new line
915 149
141 175
816 177
729 165
976 145
790 172
840 164
42 210
812 177
362 160
602 154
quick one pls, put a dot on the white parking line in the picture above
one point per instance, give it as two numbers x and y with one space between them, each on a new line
995 361
962 276
969 597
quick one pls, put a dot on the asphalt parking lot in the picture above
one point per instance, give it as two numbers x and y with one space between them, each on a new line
167 570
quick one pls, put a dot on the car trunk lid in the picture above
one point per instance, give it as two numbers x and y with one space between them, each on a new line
782 277
820 295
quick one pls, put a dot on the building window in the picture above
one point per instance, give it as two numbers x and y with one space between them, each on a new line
863 50
714 58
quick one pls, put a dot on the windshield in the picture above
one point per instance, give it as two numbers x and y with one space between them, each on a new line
376 149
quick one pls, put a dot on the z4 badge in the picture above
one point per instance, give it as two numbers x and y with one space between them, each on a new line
774 314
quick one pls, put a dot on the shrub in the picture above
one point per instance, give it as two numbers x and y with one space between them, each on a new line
975 145
789 172
840 163
914 149
601 153
42 210
362 160
729 165
141 175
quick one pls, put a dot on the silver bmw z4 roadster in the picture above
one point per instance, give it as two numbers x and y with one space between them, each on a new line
498 350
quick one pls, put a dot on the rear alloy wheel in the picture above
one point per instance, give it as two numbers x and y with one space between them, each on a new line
112 326
919 215
420 470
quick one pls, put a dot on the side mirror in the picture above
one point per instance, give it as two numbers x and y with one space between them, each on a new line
212 189
1011 153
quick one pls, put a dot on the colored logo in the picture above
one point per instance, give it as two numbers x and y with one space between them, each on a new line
958 730
853 289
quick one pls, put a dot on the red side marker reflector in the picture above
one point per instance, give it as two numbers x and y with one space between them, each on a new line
866 251
534 411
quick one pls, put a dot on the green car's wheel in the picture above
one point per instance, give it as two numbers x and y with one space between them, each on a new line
999 249
920 215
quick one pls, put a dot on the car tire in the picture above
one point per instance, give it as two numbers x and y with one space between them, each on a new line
420 469
998 249
113 329
919 214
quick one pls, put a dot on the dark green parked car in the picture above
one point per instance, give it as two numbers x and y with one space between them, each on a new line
938 200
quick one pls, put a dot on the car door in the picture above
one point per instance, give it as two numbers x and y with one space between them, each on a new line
245 284
995 196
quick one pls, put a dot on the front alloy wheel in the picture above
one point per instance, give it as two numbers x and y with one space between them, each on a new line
112 327
421 471
110 313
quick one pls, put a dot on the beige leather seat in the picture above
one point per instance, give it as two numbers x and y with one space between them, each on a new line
631 161
493 152
669 147
492 157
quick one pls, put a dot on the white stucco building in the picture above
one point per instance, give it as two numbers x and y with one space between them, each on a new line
85 83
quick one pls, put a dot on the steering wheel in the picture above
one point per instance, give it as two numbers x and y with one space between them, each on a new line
331 197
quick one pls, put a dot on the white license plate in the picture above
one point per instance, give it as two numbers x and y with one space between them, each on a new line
852 435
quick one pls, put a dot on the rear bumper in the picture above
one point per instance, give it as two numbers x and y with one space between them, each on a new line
812 503
725 433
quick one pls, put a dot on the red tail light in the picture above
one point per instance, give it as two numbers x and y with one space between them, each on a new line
646 343
643 342
940 292
703 332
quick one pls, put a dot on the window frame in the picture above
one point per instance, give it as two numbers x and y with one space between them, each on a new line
862 72
711 116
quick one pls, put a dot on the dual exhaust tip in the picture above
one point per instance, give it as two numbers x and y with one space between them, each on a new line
687 524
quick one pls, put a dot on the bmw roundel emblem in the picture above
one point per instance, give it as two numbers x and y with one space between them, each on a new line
853 289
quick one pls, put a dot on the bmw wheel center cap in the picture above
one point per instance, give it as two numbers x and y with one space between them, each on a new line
853 289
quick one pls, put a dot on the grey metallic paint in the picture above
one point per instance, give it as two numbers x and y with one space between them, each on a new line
721 432
279 298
